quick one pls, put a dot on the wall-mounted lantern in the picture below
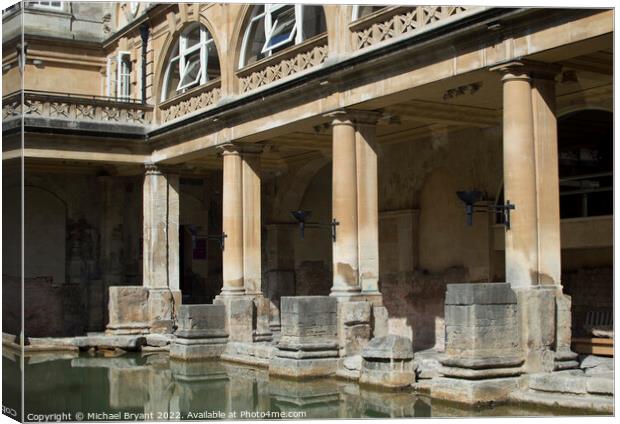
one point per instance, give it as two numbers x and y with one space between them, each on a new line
302 218
214 237
471 197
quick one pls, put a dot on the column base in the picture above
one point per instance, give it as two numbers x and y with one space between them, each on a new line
376 298
347 295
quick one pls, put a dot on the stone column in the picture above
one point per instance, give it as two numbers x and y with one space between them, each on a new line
232 226
251 179
111 230
520 178
547 175
368 207
161 247
344 207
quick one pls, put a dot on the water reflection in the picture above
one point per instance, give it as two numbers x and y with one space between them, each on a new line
152 387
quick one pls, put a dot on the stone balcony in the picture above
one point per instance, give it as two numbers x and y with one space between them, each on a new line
392 23
75 112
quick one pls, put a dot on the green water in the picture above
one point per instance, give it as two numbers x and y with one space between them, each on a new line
151 387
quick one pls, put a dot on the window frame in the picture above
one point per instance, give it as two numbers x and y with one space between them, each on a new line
180 54
121 81
297 32
47 5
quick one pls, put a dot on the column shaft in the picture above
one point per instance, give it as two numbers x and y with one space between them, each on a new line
252 274
161 230
344 209
548 183
520 181
232 216
367 208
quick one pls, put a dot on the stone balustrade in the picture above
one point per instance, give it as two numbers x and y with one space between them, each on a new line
394 22
309 54
194 100
75 107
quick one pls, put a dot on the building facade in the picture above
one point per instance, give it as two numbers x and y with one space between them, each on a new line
165 146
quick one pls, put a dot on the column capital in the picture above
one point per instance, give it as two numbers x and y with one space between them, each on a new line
526 69
240 148
354 116
151 168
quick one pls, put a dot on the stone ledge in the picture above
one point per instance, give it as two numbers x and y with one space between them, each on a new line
599 404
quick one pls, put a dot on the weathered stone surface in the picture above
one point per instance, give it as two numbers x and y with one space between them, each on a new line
388 347
262 333
255 353
201 321
356 312
102 341
480 294
128 310
601 384
388 362
162 306
426 364
306 368
474 392
201 332
593 364
309 343
556 382
379 321
240 317
353 362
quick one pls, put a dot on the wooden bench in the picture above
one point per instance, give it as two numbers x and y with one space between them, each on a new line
598 323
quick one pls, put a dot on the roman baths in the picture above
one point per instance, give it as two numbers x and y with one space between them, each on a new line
306 211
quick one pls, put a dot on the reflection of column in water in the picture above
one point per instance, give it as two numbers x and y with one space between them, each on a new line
161 391
242 389
393 404
128 387
351 405
202 385
318 398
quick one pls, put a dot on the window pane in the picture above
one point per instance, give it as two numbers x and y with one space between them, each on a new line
313 21
283 24
191 73
213 62
256 41
193 37
173 78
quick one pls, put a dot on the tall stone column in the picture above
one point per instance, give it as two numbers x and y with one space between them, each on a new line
232 225
251 179
344 207
520 177
533 251
368 207
547 175
161 247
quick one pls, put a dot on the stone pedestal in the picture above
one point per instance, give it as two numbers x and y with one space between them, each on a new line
163 307
388 362
355 327
483 351
127 310
201 332
240 317
309 342
565 358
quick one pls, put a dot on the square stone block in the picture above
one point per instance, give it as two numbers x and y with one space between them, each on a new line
303 368
309 317
356 312
128 310
201 321
480 294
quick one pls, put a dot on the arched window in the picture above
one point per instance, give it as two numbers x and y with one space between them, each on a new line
274 27
193 62
359 11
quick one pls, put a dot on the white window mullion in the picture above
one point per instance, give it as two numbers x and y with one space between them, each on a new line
299 19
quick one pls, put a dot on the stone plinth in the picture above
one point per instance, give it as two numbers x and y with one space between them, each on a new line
128 310
201 332
240 317
163 304
483 354
355 328
309 343
388 362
